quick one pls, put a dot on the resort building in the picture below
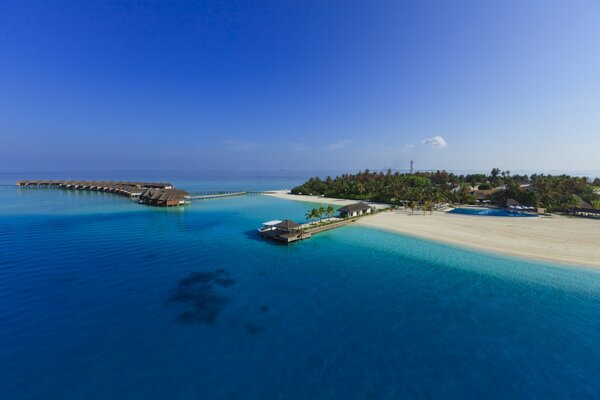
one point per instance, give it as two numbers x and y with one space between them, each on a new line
510 203
355 210
164 197
484 196
151 193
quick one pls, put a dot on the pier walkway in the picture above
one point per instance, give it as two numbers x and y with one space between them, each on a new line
221 194
151 193
288 231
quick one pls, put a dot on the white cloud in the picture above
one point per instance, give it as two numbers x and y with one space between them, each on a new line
436 142
339 144
239 145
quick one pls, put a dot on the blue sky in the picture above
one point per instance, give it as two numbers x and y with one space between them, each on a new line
299 85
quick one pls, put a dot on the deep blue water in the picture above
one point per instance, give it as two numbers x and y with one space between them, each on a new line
101 298
490 212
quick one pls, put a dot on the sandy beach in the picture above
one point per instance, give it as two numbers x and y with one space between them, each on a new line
558 239
282 194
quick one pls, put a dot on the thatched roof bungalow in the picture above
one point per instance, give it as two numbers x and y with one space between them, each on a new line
164 197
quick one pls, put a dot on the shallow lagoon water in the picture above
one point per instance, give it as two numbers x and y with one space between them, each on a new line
101 298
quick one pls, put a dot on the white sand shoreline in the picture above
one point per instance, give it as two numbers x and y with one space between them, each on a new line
556 239
282 194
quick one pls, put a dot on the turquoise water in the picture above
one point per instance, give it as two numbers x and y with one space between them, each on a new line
490 212
101 298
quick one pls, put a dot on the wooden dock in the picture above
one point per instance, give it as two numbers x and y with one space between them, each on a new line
295 232
224 194
217 195
289 231
286 237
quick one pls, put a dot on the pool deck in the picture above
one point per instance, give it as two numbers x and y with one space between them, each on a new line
491 212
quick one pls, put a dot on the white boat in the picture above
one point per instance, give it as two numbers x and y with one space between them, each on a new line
269 225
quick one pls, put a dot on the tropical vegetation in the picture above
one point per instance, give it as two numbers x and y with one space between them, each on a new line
319 213
425 189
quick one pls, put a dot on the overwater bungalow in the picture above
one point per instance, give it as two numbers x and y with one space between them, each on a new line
162 194
284 231
164 197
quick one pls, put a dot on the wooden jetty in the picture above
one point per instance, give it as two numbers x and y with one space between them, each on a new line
287 231
217 195
158 194
221 194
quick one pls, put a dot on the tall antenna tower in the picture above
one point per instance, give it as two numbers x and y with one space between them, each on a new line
411 166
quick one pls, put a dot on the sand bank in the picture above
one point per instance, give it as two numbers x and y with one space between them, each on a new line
564 240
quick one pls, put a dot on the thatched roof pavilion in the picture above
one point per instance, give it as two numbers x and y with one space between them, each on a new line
288 226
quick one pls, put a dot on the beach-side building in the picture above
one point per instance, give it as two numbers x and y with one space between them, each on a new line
582 203
512 203
355 210
483 195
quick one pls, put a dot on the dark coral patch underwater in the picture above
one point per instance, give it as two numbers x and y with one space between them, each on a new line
198 291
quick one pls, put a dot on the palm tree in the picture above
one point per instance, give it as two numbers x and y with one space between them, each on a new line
428 206
309 215
321 211
315 213
330 210
312 214
412 206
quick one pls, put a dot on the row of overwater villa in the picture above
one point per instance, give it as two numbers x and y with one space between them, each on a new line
158 194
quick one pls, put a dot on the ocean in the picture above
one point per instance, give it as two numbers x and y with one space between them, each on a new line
102 298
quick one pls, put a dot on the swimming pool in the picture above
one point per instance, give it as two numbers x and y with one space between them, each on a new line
491 212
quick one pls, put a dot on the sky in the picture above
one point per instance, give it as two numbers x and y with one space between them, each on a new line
240 85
